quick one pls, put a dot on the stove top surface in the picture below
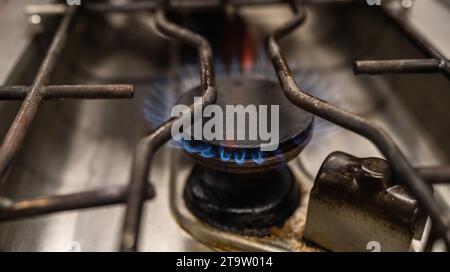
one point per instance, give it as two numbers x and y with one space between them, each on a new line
89 144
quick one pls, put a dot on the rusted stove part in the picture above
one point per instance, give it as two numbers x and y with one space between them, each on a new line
149 144
16 134
34 95
437 62
15 209
353 203
375 67
248 204
436 174
11 209
70 91
400 165
295 128
25 208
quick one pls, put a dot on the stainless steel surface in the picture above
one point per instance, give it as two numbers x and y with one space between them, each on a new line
13 43
429 18
89 144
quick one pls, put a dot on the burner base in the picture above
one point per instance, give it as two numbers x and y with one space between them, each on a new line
248 204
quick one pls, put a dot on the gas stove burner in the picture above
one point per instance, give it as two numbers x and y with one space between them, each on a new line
248 204
245 156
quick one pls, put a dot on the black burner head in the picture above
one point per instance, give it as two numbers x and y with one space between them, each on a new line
245 156
248 204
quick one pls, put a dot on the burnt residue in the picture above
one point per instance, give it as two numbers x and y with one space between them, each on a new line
248 204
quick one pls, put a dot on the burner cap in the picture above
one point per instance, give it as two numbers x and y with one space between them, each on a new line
295 127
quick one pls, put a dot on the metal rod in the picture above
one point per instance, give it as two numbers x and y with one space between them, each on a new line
12 210
148 145
419 40
70 91
374 67
438 63
19 128
355 123
435 175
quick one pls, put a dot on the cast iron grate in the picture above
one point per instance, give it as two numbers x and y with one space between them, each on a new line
139 189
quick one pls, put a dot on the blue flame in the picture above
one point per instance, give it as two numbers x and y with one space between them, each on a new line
238 156
207 153
257 157
224 155
163 95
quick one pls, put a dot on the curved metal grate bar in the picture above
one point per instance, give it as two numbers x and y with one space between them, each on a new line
422 192
436 63
149 144
34 95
